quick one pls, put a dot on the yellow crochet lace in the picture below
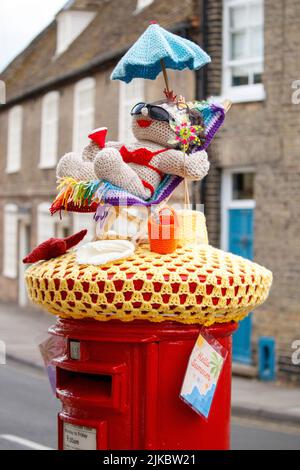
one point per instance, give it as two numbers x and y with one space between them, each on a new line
198 284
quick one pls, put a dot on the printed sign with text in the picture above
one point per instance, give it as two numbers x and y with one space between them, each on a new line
202 375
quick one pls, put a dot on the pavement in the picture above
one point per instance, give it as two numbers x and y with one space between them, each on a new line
28 420
274 401
22 330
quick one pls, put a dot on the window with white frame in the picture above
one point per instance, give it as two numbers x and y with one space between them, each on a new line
70 24
14 139
84 221
130 94
243 49
45 223
49 130
50 225
141 4
84 112
10 241
237 192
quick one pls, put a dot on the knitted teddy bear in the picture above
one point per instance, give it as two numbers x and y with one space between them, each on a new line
139 167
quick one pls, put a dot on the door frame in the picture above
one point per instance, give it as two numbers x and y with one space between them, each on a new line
227 202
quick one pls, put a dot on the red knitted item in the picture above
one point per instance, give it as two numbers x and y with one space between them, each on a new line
141 156
71 207
54 247
98 136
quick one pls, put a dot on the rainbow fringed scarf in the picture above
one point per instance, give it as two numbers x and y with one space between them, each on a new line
77 196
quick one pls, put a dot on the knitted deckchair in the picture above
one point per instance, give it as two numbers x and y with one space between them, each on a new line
86 196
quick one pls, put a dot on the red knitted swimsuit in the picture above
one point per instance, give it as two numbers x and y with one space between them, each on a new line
142 156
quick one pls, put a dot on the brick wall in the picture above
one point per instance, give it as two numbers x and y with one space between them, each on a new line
212 182
266 136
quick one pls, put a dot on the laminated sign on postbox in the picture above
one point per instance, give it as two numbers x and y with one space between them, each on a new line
79 437
202 375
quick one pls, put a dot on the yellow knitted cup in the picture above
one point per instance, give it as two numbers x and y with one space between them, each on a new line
192 227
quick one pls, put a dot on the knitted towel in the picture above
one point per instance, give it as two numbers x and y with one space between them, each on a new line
104 251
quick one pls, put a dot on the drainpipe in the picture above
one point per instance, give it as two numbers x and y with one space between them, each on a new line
201 75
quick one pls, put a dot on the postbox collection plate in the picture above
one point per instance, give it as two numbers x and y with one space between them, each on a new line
79 437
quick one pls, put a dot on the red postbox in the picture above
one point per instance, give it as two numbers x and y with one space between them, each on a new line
119 385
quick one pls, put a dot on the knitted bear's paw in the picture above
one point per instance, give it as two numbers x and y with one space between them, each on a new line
109 166
107 162
71 165
197 165
90 152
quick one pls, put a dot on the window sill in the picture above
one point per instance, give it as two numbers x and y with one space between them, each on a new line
9 275
46 167
140 8
137 11
11 171
243 94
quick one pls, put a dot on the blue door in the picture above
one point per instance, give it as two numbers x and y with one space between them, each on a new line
241 243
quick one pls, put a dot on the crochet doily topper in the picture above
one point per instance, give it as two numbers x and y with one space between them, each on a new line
199 284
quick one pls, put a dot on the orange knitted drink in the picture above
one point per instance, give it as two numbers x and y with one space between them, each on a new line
163 231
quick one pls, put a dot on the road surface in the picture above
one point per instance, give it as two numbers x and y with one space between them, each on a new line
28 414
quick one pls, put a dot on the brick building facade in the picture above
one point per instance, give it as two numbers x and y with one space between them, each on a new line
251 194
263 136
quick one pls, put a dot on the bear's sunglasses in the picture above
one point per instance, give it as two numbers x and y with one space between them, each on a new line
154 112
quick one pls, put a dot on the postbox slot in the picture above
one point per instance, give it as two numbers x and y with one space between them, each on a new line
86 384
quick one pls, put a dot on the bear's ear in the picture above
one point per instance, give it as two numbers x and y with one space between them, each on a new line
195 117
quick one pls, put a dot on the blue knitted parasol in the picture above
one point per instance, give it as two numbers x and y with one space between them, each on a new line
156 50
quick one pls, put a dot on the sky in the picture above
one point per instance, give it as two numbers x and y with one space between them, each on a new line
20 22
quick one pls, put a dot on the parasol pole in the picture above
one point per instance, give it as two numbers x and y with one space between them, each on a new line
164 70
227 105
